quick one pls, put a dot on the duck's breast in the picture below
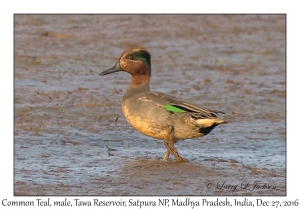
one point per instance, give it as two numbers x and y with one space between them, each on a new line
146 116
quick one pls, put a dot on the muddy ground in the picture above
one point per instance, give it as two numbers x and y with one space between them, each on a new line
65 114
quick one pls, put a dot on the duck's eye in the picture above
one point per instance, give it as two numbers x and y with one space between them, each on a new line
131 58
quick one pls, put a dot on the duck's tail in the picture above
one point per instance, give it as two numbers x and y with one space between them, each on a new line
208 124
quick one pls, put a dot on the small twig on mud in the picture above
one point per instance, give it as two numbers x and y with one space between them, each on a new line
110 149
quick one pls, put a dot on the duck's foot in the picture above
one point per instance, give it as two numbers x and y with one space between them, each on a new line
167 154
178 157
181 159
172 150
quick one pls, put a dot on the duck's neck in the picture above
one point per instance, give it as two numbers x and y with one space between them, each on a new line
134 89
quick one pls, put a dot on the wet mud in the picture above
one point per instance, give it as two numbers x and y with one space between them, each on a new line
70 137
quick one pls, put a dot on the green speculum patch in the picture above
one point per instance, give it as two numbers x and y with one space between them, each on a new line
173 109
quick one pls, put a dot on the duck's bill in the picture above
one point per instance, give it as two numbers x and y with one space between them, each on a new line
113 69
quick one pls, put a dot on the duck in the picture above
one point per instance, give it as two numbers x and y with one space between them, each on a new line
159 115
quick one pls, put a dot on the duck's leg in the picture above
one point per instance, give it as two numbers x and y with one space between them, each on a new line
169 144
171 149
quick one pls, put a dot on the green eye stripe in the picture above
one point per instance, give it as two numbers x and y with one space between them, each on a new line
142 56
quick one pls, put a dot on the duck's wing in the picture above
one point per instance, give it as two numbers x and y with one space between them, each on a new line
175 105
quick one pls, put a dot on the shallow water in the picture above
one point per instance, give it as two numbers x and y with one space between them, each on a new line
66 115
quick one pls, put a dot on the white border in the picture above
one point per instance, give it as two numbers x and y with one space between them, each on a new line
154 6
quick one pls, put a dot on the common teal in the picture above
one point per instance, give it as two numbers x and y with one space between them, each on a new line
159 115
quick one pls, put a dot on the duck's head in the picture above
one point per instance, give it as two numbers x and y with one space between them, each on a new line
137 62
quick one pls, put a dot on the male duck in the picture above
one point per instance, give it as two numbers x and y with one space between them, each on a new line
159 115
